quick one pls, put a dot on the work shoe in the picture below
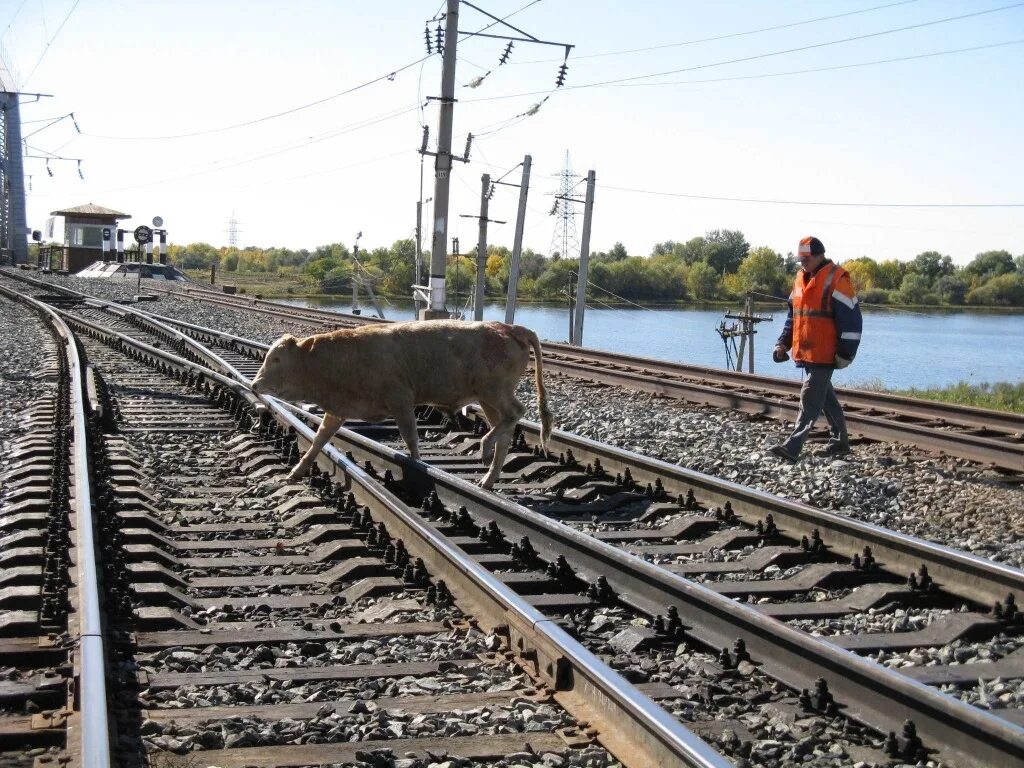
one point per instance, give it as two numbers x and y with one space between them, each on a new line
783 453
833 450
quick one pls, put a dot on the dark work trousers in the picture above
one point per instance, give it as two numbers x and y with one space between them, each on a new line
817 395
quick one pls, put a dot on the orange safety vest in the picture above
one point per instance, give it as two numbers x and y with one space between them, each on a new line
814 326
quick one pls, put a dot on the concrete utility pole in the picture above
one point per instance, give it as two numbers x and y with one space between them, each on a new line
481 249
419 247
517 246
13 229
443 168
581 288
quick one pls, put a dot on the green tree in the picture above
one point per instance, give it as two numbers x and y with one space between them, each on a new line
890 274
864 272
931 265
990 264
915 289
1003 291
763 270
703 281
952 289
554 281
692 251
725 249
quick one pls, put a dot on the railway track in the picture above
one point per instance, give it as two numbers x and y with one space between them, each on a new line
991 438
713 518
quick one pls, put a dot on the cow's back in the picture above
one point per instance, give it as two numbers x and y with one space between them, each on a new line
441 362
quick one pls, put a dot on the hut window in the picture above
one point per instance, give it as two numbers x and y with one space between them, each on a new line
88 237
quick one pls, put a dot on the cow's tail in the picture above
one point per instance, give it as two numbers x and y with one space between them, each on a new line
542 395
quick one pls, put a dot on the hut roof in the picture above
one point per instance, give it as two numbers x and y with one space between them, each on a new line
89 209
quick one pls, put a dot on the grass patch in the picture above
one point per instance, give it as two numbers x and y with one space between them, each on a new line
1001 396
269 286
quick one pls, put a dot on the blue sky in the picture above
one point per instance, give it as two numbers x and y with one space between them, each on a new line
942 129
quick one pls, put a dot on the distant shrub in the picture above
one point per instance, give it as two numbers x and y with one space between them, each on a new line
874 296
1002 291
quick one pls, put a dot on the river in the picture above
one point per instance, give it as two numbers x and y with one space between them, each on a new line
899 350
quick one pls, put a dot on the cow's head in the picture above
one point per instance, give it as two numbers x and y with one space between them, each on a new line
281 374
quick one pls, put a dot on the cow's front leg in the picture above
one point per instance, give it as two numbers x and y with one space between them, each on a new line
328 427
405 418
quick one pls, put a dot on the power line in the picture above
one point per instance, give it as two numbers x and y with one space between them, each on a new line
606 83
49 43
280 151
389 76
13 18
810 202
620 298
727 36
854 65
811 46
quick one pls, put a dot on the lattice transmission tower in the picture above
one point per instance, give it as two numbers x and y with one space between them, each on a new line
564 240
233 231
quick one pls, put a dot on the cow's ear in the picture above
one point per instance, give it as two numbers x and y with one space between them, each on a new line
288 340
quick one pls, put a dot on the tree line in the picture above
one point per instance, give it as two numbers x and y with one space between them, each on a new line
720 265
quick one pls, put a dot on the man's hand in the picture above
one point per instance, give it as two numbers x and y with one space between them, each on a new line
841 362
779 355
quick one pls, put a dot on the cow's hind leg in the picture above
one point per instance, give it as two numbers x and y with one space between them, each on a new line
406 421
493 417
507 415
328 427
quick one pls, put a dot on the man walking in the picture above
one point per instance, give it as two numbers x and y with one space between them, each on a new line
823 330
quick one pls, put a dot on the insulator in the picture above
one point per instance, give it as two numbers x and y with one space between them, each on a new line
469 143
48 171
74 122
426 36
80 171
455 246
439 38
490 192
508 50
560 80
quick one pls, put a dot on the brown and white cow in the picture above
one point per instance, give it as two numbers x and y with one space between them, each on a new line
376 371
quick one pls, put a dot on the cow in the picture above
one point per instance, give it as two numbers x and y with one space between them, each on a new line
376 371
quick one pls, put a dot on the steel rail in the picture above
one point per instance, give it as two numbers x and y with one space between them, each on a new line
959 573
654 736
91 688
237 383
869 692
1010 423
986 450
